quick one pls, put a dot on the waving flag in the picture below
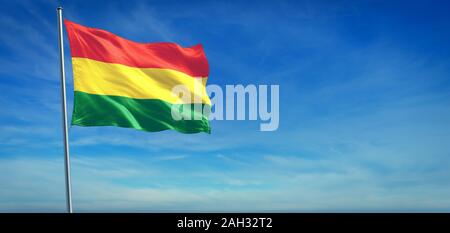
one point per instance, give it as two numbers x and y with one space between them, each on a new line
119 82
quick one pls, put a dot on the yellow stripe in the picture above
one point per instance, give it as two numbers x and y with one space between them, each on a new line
95 77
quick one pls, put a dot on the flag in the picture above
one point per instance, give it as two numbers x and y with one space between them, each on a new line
118 82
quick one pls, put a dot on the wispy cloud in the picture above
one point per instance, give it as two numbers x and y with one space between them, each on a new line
364 113
99 185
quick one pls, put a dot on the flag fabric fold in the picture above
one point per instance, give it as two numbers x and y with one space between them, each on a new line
118 82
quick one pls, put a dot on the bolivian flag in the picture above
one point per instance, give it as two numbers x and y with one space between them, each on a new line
119 82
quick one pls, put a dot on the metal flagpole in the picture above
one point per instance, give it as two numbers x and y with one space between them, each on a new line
64 112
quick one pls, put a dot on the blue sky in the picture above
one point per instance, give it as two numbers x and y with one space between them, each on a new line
364 110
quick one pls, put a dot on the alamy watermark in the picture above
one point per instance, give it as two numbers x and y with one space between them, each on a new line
235 102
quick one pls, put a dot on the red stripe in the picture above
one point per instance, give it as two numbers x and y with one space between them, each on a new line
104 46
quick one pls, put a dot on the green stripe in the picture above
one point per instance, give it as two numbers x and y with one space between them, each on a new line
143 114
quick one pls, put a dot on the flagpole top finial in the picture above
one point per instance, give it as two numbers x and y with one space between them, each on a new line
59 8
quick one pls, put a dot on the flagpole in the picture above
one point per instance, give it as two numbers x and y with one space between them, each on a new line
64 112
